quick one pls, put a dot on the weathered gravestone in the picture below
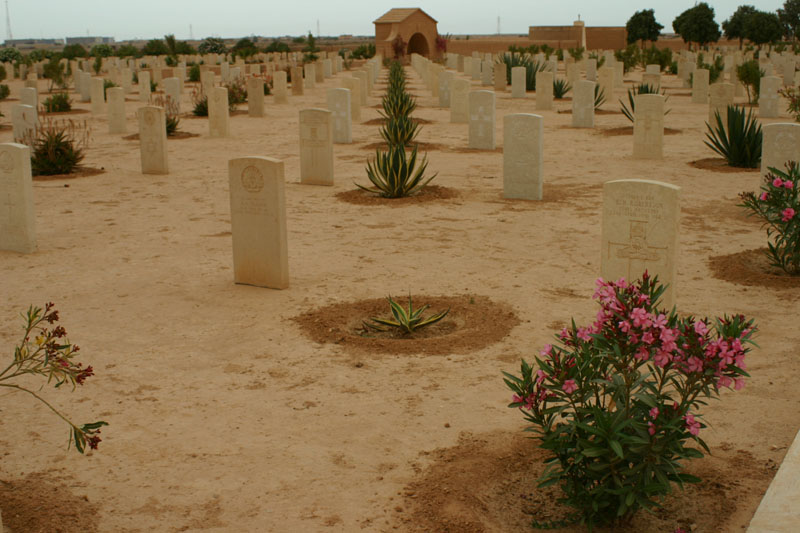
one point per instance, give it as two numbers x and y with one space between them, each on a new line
591 69
23 122
459 101
255 97
700 86
768 98
500 77
606 82
518 81
544 90
445 79
720 96
144 86
172 90
153 139
648 126
116 110
297 81
17 216
487 73
279 87
218 115
361 76
339 106
98 96
780 144
309 75
640 232
354 86
258 222
316 147
583 104
481 120
522 156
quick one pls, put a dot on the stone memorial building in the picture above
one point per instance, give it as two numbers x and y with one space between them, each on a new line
415 27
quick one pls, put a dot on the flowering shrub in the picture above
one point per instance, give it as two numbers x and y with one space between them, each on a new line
617 403
778 206
46 352
792 95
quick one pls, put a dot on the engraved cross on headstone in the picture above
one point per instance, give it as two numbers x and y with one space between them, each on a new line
637 249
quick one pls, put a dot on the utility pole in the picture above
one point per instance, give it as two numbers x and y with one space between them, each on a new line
191 33
317 28
9 36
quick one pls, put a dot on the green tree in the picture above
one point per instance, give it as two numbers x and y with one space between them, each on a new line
101 50
10 54
697 25
184 48
277 46
762 28
310 49
789 16
642 26
155 47
734 27
128 50
212 45
245 48
71 51
172 44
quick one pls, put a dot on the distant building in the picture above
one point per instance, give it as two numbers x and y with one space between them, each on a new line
31 42
90 40
415 27
578 35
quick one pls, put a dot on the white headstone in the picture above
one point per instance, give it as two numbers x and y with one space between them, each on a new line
218 115
339 106
481 120
780 144
522 156
583 104
316 147
153 139
648 126
17 215
116 110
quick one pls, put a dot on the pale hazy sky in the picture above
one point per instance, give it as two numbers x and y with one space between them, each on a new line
147 19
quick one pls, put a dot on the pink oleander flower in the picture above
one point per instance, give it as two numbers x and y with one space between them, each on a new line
788 184
625 326
700 328
540 376
648 338
583 334
764 196
691 424
660 322
724 381
787 214
738 384
641 318
662 358
777 182
548 350
654 413
651 428
569 386
694 364
642 354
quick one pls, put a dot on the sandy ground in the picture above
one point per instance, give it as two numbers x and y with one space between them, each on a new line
225 416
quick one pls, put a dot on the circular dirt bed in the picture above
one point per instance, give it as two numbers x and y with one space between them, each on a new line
473 323
380 121
430 193
177 135
80 172
423 146
487 483
628 130
596 112
717 164
752 268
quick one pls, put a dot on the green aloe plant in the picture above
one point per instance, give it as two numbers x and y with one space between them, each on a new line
400 130
407 320
560 88
642 88
740 142
394 174
599 97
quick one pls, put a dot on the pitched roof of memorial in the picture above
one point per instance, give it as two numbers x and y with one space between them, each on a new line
399 14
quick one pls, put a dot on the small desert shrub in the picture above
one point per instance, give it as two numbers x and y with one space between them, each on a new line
778 206
750 75
107 84
4 91
199 103
616 404
58 102
171 112
740 142
642 88
237 93
3 73
792 95
394 174
560 88
194 72
153 86
407 320
57 147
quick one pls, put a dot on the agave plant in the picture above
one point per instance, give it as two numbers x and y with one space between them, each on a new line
406 320
642 88
599 97
398 104
400 130
395 175
531 68
740 142
560 88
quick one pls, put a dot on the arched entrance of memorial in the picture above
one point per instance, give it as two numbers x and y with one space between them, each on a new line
417 44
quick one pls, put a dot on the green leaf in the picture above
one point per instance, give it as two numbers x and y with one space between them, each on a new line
617 448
